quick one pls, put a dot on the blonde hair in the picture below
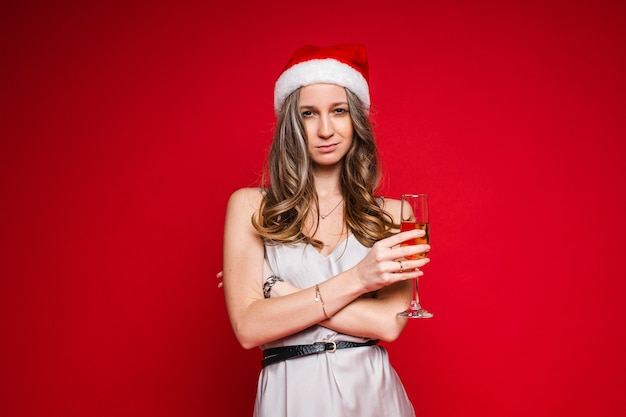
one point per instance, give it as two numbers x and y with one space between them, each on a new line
290 190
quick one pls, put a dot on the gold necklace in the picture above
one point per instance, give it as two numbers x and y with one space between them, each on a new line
323 216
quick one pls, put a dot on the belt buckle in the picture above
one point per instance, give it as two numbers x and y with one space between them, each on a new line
326 343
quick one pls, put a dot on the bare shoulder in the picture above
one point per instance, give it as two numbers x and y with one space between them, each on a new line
245 200
247 194
392 206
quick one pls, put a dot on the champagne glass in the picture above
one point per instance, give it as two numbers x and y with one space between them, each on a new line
414 215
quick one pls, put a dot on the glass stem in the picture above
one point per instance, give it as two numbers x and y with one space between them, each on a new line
416 299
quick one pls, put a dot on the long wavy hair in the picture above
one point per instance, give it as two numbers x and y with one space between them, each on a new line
289 186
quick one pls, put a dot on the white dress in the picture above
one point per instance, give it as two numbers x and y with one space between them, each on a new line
357 381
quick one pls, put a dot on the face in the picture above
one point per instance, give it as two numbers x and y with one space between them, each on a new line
327 122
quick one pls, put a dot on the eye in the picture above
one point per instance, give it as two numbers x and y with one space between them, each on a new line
307 113
341 110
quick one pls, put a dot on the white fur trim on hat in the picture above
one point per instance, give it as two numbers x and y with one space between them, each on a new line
320 71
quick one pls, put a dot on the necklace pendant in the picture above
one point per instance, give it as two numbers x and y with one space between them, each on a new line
323 216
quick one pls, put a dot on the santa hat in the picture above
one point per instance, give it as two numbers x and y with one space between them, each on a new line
344 65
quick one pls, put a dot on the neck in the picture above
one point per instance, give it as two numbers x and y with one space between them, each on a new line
327 189
327 183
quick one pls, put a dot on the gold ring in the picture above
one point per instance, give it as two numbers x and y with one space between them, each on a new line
401 266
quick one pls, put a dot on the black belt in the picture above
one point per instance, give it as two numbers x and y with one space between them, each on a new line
277 354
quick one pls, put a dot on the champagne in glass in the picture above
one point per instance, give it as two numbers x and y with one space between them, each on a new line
410 225
414 215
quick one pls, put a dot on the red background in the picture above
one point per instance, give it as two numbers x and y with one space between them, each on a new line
125 126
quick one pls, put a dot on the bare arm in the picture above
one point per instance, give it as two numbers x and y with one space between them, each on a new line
370 317
256 320
374 318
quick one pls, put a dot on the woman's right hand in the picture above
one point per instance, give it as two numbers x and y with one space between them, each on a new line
387 262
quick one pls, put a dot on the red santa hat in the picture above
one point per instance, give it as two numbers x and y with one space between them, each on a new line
345 65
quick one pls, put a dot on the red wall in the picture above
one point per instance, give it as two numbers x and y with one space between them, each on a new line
126 126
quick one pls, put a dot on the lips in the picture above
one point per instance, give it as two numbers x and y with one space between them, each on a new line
327 148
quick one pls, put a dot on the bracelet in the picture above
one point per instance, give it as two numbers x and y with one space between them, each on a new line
319 299
269 283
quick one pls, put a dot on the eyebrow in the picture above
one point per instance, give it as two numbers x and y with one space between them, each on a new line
339 103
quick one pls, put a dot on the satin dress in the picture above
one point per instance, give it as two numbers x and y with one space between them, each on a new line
357 381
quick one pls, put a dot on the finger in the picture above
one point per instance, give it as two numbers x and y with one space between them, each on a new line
406 265
398 238
410 251
416 264
406 273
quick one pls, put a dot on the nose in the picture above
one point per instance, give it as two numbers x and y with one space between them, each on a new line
325 129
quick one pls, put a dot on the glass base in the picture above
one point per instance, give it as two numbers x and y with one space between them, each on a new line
415 312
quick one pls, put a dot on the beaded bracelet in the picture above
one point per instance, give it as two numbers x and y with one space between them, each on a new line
269 283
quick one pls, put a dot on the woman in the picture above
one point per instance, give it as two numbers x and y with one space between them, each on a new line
314 273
